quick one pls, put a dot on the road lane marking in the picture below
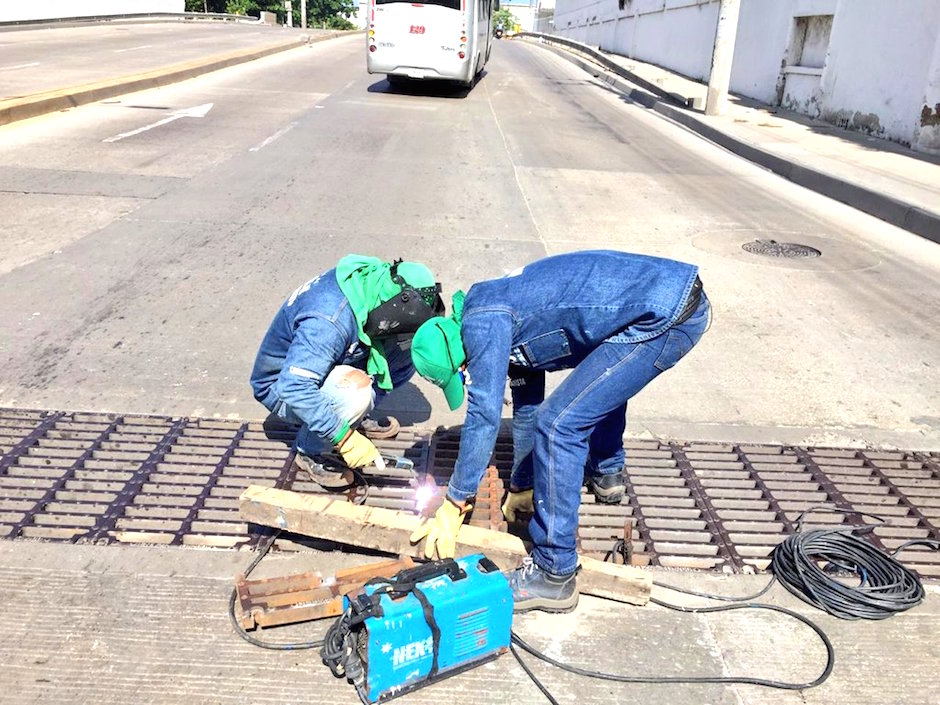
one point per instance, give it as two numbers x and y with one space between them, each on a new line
197 111
19 66
142 46
277 135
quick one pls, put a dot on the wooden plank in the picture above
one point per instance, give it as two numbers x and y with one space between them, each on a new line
389 530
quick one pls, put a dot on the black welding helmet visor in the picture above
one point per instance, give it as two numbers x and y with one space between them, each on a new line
403 314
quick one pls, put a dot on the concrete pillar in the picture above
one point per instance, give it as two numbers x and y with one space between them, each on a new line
303 14
722 55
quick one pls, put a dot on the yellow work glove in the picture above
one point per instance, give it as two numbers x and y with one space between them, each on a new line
358 451
441 530
520 501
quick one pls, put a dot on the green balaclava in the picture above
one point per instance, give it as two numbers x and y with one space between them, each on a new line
437 352
367 283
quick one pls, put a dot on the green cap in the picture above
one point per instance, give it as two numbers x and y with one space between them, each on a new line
437 352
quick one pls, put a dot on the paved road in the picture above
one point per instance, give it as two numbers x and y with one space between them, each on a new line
140 267
46 58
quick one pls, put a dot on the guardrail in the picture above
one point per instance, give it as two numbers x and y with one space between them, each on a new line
595 55
136 16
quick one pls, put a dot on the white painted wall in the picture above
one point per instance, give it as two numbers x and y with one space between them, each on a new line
11 11
881 71
878 66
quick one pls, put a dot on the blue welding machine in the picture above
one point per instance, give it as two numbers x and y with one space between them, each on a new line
423 624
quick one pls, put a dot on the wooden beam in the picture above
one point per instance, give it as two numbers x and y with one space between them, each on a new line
389 530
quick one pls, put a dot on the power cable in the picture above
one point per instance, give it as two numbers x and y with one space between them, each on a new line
886 587
262 551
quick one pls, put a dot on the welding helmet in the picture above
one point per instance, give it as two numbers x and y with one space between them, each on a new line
437 353
403 314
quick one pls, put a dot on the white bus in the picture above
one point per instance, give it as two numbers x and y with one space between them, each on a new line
435 39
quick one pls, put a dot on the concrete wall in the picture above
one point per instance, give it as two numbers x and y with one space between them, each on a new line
11 11
872 65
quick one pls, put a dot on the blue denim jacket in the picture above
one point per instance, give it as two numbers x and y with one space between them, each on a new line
313 331
549 315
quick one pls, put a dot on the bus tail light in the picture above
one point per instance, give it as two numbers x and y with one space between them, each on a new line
372 47
462 55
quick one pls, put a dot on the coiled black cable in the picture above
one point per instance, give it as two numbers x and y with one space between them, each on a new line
886 587
804 564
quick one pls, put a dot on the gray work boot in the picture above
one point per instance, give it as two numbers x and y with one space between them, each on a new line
537 589
325 476
607 489
383 427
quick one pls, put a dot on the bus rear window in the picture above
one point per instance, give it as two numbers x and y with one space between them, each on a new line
451 4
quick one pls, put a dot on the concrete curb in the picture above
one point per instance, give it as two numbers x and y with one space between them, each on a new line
892 210
25 107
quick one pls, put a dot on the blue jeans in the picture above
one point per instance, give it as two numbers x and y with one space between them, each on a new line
401 370
583 421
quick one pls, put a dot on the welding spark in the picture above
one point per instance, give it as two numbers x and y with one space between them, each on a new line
423 495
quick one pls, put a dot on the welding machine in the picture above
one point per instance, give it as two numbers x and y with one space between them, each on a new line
419 626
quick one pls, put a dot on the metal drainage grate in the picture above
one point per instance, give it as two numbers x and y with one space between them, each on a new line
786 250
146 479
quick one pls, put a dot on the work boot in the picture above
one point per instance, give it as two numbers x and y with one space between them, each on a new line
607 489
384 427
537 589
327 477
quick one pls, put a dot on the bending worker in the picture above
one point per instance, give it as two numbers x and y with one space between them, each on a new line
336 346
616 320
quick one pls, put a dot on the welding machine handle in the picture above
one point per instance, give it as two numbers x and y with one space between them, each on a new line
428 571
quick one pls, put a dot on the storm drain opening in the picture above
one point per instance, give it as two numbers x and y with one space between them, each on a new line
107 478
783 250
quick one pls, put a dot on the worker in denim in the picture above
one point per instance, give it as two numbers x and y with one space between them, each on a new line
302 372
616 320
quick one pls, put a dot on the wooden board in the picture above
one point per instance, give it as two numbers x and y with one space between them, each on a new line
389 530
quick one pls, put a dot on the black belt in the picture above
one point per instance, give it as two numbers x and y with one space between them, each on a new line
692 302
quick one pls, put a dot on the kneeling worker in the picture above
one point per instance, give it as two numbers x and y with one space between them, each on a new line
336 346
616 320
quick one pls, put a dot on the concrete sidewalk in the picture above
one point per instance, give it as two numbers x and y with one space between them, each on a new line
882 178
134 624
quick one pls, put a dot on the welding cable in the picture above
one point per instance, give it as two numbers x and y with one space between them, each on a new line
240 630
740 680
886 587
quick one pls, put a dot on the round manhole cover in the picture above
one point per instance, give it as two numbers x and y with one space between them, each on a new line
772 248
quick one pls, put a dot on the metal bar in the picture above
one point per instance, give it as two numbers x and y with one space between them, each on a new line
108 520
715 526
640 521
833 492
779 514
893 490
30 515
197 505
10 458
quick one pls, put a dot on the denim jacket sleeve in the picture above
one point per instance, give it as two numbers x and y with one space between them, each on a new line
487 339
528 392
317 347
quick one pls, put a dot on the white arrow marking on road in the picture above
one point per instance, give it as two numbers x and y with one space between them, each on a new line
198 111
19 66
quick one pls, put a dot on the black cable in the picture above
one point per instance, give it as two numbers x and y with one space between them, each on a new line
290 646
530 674
262 552
885 586
830 655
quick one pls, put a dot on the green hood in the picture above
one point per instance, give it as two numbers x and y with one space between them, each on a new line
366 283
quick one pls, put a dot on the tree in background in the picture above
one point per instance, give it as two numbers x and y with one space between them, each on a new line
506 17
320 13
